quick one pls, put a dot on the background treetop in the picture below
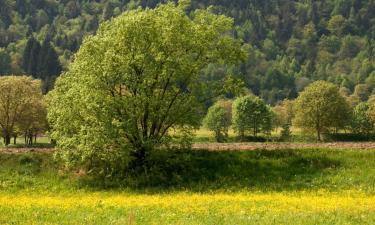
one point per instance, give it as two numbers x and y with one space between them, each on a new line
290 43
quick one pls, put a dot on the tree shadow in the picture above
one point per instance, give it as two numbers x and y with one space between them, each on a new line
206 171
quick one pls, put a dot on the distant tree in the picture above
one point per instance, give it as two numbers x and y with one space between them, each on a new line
362 92
218 120
49 66
279 116
17 97
5 62
31 57
41 19
250 113
284 113
371 108
320 107
5 11
107 11
135 80
349 47
286 133
336 25
362 123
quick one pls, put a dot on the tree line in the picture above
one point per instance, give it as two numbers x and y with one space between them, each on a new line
320 109
291 43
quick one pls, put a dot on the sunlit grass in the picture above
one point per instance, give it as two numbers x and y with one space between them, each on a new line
188 208
311 186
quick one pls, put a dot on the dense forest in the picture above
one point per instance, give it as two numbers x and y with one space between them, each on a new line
290 43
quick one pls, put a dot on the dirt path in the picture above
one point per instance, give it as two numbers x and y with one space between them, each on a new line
23 150
239 146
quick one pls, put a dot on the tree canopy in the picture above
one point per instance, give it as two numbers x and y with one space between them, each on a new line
250 113
136 79
21 106
218 119
291 43
321 107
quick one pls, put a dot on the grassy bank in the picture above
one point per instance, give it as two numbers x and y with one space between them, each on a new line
307 186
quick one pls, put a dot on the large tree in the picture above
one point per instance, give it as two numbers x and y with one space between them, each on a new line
135 80
18 95
321 107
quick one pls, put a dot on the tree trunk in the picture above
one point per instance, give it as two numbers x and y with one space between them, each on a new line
318 134
14 140
31 139
242 135
139 158
7 139
35 139
217 136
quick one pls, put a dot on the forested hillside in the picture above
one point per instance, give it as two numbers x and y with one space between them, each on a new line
290 43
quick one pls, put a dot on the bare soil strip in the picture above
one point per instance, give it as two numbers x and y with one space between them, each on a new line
239 146
24 150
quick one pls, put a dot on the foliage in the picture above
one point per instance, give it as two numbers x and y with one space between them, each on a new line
135 80
284 113
41 61
21 107
218 120
251 113
371 108
320 107
362 123
286 132
290 43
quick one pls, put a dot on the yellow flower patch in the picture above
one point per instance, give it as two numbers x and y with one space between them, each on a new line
236 203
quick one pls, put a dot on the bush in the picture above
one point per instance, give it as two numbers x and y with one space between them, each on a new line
253 139
350 137
218 120
285 133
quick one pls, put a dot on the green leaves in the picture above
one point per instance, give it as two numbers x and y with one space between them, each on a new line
251 113
139 77
22 109
320 107
218 119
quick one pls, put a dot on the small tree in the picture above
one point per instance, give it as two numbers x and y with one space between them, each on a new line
362 123
35 122
321 107
371 109
283 113
218 120
251 113
18 95
285 132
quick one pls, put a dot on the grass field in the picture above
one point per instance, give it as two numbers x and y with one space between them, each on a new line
307 186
